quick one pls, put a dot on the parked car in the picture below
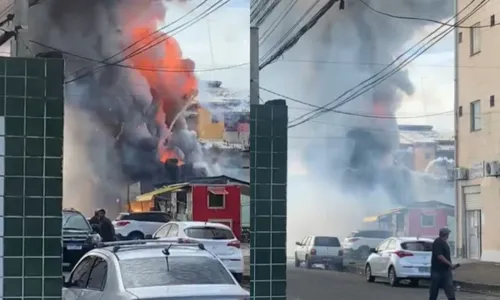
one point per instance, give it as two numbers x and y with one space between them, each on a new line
324 250
78 236
217 238
136 225
126 270
400 258
359 243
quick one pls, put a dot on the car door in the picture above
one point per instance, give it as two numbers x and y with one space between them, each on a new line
96 281
78 279
385 258
162 232
300 249
375 260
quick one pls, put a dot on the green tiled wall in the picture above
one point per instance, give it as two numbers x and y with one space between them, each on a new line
268 180
31 114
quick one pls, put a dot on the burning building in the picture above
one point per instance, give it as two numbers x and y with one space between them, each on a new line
128 88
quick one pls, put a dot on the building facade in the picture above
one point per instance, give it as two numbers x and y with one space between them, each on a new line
478 142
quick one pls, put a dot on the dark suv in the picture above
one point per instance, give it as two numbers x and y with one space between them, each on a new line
78 236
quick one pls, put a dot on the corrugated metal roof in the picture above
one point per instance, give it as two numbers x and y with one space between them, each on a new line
421 135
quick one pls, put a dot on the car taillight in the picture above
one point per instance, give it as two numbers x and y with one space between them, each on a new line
235 244
313 251
352 240
122 223
186 241
341 252
402 254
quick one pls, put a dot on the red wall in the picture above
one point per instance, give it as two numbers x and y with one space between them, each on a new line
415 227
232 209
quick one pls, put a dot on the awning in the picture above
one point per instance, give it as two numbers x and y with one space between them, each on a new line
169 188
219 190
370 219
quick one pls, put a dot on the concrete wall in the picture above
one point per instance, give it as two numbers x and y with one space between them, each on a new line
478 80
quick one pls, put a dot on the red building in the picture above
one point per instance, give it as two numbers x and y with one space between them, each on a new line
418 219
209 199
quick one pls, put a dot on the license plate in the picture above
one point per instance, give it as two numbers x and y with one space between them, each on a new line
424 269
74 247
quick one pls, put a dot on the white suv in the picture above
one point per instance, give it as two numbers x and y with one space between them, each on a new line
217 238
359 243
137 225
324 250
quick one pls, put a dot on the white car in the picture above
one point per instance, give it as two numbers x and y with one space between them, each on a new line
324 250
217 238
400 259
136 225
131 270
359 243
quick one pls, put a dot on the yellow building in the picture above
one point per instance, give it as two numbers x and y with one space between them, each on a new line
478 141
208 128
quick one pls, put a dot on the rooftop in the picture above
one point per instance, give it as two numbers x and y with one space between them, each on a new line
421 134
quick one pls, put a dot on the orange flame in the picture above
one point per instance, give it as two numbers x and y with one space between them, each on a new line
168 74
169 154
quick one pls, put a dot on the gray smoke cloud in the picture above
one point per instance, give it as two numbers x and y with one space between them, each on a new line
349 175
111 138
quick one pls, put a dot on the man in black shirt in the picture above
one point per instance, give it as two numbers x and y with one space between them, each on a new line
441 267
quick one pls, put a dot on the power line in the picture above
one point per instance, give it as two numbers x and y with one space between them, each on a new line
370 85
180 28
292 41
266 13
423 19
272 27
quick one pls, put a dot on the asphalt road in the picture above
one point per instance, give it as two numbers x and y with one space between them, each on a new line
303 284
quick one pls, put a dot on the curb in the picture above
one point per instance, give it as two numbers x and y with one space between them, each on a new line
461 285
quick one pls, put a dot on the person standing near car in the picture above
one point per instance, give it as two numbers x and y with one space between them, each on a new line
95 219
441 267
107 228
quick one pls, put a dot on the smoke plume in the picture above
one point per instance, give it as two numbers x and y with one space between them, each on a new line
121 124
348 159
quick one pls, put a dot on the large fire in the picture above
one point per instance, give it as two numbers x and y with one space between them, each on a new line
170 76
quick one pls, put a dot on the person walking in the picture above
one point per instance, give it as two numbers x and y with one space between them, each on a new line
107 228
441 267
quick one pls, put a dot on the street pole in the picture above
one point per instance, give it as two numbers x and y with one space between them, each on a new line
254 65
19 46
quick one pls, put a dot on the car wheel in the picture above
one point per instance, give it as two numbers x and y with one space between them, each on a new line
368 274
297 261
393 278
364 252
414 282
135 236
308 263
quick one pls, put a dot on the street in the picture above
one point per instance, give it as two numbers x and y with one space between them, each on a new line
303 284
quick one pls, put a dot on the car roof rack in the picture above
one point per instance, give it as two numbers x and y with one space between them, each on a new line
138 244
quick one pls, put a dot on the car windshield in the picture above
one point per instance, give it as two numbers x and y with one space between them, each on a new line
209 233
145 217
181 270
417 246
326 241
378 234
74 220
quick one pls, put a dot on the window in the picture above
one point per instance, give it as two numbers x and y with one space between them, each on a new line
475 115
216 197
475 39
492 20
163 231
81 273
159 217
417 246
427 220
460 111
379 234
382 246
459 37
174 230
391 245
98 275
182 270
209 233
304 241
492 100
326 241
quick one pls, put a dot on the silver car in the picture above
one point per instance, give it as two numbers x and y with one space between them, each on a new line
151 270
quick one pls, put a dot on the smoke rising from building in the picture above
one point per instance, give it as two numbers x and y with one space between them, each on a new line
345 153
119 122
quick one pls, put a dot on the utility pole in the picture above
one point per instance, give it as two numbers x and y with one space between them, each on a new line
254 65
19 46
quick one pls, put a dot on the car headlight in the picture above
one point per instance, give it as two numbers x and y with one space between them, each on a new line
95 238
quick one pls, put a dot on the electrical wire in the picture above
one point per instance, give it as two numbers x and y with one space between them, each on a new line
266 13
272 27
423 19
324 108
259 7
291 42
280 50
181 28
